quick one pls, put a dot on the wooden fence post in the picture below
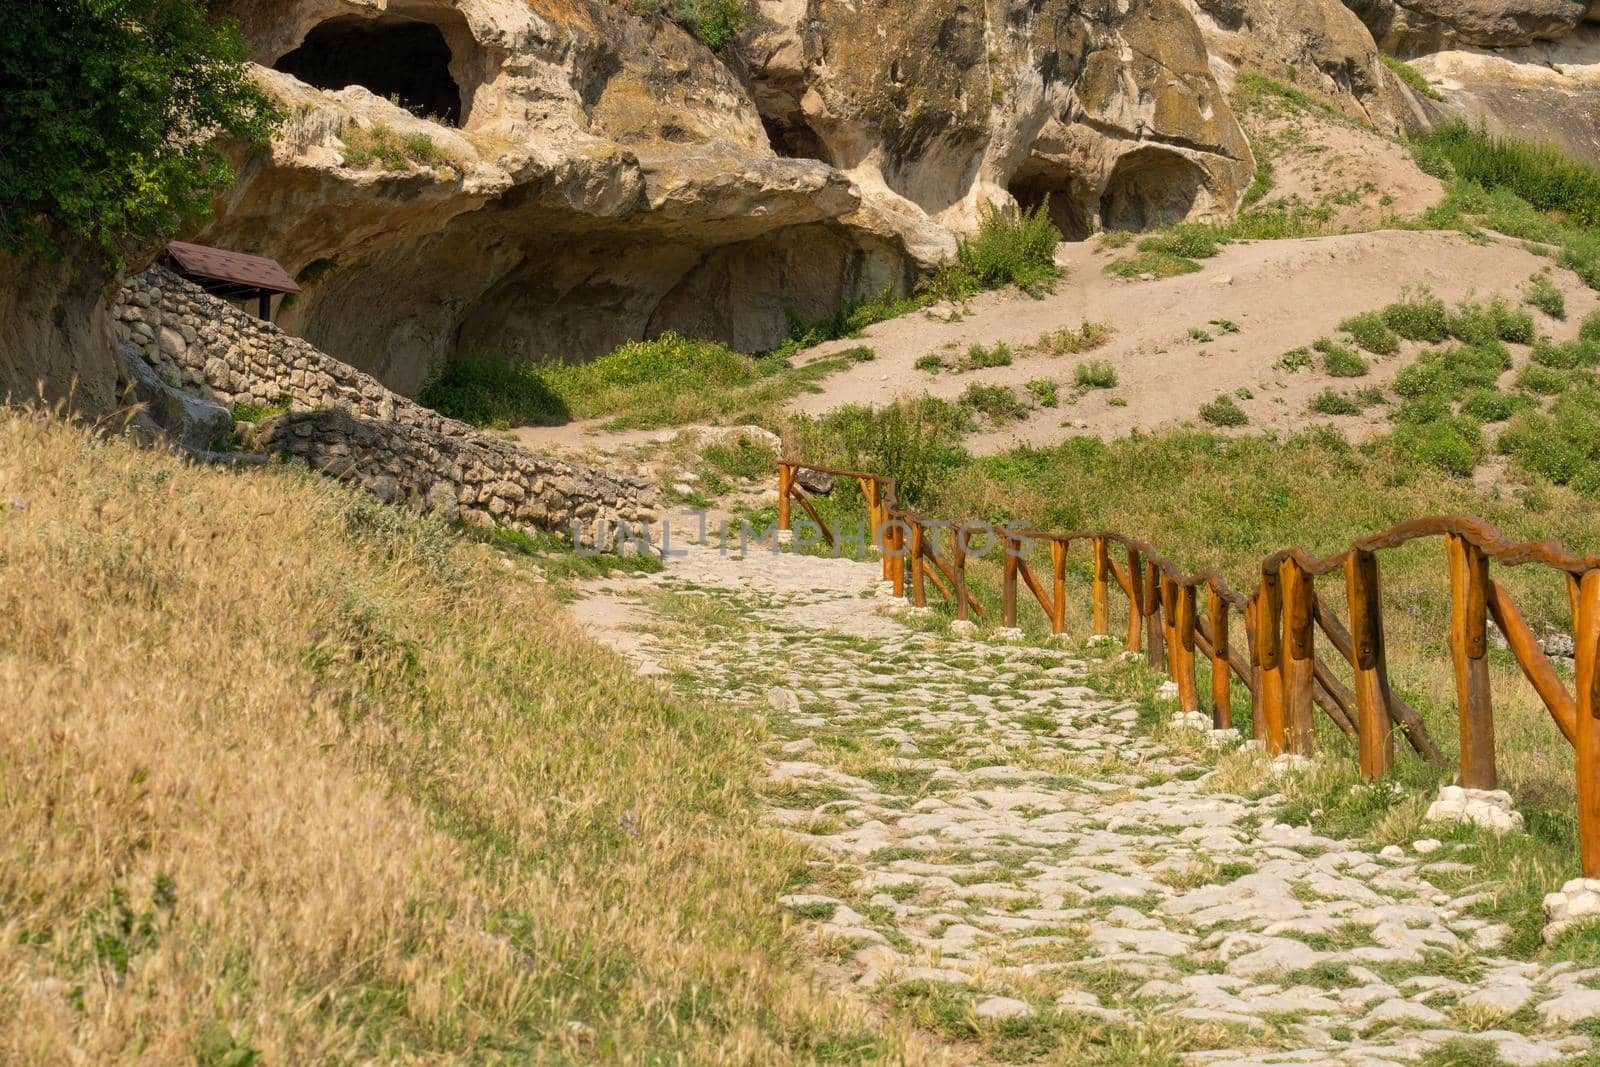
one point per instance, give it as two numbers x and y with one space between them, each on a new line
1102 575
785 480
1586 635
919 592
1221 680
1299 654
1469 590
1135 600
1008 583
1183 646
1373 725
875 519
1058 587
1155 651
895 537
1269 642
958 563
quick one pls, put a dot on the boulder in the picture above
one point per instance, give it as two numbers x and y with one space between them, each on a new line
1412 26
187 420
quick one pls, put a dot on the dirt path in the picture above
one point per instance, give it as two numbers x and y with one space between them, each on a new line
1009 861
1280 294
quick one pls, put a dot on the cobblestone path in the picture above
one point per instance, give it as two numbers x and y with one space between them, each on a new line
1027 873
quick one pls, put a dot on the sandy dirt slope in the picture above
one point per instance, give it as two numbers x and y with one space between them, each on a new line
1280 294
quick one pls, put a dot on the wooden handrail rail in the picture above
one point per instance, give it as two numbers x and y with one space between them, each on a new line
1283 673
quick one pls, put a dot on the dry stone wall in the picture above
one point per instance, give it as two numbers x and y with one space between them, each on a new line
345 422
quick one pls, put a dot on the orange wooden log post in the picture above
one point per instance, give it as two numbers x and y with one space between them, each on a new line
919 563
895 537
1373 721
875 518
785 482
1008 584
1102 592
1135 600
1534 662
1058 600
1269 639
1299 667
1469 591
1221 694
1586 635
958 563
1169 624
1155 652
1258 716
1183 646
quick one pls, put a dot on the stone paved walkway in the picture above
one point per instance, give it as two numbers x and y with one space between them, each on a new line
1010 862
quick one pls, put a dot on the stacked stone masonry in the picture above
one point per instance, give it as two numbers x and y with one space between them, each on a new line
348 424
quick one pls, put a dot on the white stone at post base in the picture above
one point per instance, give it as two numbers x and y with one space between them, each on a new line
963 628
885 590
1167 691
1101 640
1577 903
1009 634
1191 720
785 537
919 613
1290 761
1219 738
1489 808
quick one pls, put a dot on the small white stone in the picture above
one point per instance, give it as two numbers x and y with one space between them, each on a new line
783 699
1427 845
963 628
1003 1008
1009 633
1489 808
1167 690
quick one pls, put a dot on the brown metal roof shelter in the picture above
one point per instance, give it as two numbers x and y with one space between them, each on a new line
230 275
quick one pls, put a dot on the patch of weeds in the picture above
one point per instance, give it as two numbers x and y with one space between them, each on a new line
254 413
1223 411
1544 294
1418 316
1491 405
1329 402
1095 374
1542 380
1010 248
981 358
998 403
1197 334
1070 342
1339 361
742 459
1369 331
930 363
1044 391
382 144
1155 264
1224 326
1295 359
1410 75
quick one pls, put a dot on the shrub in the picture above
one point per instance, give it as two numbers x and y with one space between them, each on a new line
1453 443
998 403
1295 359
1223 411
1477 325
1155 264
1544 176
381 143
917 442
1558 445
1185 241
849 320
1012 248
1369 331
1546 381
1565 356
979 357
742 459
1491 405
1339 361
715 22
1545 295
1197 334
1420 316
1447 373
107 130
254 413
1044 391
1095 374
1329 402
1067 341
930 363
1589 329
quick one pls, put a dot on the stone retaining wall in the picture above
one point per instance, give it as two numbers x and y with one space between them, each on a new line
347 423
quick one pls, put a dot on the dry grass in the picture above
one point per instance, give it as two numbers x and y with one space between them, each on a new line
288 771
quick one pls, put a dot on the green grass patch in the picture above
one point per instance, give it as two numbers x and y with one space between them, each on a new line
1340 361
1223 411
1369 331
1410 75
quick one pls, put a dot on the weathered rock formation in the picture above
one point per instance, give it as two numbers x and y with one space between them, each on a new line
1415 26
55 330
346 423
590 175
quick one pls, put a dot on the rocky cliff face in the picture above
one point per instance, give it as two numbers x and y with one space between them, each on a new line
549 178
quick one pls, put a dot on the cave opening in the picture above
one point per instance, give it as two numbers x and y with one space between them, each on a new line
793 140
1069 199
401 59
1150 188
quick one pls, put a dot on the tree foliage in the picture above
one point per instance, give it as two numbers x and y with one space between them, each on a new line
109 115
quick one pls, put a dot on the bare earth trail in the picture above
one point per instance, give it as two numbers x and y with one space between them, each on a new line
1281 294
1006 858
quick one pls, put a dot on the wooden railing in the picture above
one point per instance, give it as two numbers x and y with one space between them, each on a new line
1279 666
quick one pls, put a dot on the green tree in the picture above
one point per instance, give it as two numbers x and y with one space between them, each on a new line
110 112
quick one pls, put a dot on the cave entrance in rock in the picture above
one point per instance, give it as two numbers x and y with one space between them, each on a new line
1038 179
1151 188
402 59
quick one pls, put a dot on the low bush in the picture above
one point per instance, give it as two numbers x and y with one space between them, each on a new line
1491 405
1095 374
998 403
382 144
1010 248
930 363
1589 329
1561 443
1543 175
1046 392
917 442
1339 361
1447 373
1369 331
1410 75
981 358
1451 443
1545 381
1185 241
1478 325
1295 359
1197 334
1419 316
1155 264
1566 355
1070 342
1329 402
1223 411
853 317
1545 295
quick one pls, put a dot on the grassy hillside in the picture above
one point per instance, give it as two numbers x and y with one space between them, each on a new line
288 775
